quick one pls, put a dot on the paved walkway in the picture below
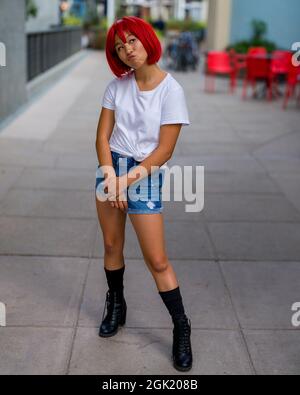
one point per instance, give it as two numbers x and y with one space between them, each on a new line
238 261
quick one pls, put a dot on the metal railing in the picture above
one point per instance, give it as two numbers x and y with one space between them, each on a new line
45 49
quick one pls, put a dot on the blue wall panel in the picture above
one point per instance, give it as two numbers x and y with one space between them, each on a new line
282 17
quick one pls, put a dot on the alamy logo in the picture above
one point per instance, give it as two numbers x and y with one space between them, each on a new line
2 314
2 55
184 182
296 316
296 56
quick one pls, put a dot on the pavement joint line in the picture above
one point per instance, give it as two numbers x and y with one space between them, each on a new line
242 335
208 260
294 131
211 241
51 217
11 187
280 188
242 221
253 222
243 339
197 328
94 242
67 370
70 218
56 160
27 167
251 194
269 175
246 221
54 189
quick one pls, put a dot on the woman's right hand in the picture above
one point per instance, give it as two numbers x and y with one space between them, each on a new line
121 201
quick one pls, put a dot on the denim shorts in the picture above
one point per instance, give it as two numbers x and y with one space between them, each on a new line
144 196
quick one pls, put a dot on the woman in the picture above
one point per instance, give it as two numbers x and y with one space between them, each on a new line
143 110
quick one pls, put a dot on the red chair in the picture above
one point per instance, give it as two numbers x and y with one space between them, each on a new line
293 80
219 63
257 51
258 68
280 62
238 61
280 65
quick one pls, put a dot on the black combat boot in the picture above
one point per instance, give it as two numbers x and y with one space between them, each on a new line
116 313
182 349
115 303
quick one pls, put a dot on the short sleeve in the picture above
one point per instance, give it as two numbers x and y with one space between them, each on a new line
108 100
174 108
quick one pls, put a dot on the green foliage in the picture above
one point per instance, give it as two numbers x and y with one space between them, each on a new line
31 9
91 18
244 46
103 23
71 20
159 34
185 25
259 30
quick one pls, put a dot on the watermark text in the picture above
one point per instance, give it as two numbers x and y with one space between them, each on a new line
2 54
2 314
187 183
296 56
296 316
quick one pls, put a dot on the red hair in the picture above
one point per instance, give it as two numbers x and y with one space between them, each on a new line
143 31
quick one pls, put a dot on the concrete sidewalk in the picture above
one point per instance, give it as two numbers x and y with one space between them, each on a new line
237 262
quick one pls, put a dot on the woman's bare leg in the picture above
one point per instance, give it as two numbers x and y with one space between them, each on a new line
112 222
149 229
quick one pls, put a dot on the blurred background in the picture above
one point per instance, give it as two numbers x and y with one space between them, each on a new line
46 32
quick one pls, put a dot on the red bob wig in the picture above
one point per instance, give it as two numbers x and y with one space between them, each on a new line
143 31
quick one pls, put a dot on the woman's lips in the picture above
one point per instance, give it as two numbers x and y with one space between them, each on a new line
131 57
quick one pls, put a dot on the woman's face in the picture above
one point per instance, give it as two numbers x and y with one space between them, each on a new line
132 53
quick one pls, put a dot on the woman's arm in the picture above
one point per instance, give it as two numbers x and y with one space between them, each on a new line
167 141
104 131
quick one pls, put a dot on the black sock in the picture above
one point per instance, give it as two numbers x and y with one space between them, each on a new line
173 301
115 279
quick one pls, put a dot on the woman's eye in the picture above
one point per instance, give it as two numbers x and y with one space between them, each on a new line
132 39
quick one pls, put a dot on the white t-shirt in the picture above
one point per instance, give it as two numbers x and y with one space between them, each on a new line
139 114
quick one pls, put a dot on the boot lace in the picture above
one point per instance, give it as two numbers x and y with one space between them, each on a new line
183 331
110 298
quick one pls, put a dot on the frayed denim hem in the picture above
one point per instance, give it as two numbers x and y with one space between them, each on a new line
132 211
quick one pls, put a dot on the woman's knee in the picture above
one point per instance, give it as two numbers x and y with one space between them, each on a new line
158 263
113 246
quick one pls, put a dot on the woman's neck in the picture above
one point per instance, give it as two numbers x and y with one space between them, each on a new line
148 74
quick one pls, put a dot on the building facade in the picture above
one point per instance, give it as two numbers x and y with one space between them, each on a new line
167 9
47 16
13 69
